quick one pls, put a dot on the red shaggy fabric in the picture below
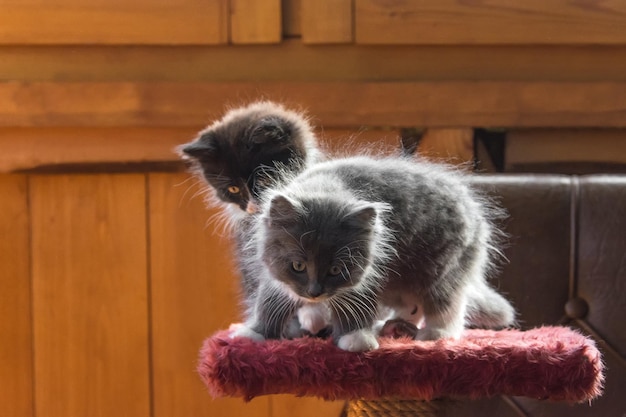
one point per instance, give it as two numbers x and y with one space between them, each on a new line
554 363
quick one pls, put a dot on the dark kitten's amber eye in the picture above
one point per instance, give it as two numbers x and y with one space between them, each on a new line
233 189
334 270
298 266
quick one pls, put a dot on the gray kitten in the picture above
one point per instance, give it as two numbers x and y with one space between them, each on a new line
362 235
238 156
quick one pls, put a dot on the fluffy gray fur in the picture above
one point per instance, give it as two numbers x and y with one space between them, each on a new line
361 235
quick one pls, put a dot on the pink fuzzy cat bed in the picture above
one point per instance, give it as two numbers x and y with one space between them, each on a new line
554 363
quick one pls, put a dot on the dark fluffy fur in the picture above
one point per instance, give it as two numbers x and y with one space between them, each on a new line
246 148
412 236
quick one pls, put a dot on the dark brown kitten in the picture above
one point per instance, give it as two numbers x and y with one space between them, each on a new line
240 154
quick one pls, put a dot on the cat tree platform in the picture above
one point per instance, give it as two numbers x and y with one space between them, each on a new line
406 377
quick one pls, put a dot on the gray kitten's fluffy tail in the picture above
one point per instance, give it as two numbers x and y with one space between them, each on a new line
487 308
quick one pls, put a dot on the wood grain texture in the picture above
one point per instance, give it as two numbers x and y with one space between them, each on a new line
42 148
327 21
450 22
90 295
293 61
16 347
450 145
194 293
337 104
43 22
535 146
255 21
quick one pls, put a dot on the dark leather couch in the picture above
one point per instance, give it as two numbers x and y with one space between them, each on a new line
566 265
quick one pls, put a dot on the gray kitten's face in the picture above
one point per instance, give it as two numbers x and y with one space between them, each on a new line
317 248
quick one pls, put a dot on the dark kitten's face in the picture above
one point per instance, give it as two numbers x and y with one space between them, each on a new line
239 158
317 249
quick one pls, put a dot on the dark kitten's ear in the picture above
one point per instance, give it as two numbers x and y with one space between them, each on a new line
196 149
272 129
282 210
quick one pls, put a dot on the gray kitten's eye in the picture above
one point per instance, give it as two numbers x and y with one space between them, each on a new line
233 189
334 270
298 266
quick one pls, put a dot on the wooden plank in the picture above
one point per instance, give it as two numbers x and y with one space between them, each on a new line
541 146
255 21
42 148
450 22
16 348
194 292
90 295
450 145
175 22
337 104
327 21
292 60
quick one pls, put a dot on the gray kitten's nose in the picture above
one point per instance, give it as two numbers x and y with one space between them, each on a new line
314 290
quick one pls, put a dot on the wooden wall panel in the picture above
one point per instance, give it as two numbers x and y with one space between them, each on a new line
327 21
194 293
47 147
293 61
450 22
16 353
90 295
450 145
528 147
171 22
337 104
255 21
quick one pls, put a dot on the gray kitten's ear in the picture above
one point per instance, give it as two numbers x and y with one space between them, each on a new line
272 129
282 210
364 214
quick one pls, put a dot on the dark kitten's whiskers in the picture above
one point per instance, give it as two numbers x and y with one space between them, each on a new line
197 183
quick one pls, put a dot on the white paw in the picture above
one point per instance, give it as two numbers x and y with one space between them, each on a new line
313 317
358 341
248 333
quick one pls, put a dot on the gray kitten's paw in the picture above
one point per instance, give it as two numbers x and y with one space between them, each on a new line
438 333
247 332
358 341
